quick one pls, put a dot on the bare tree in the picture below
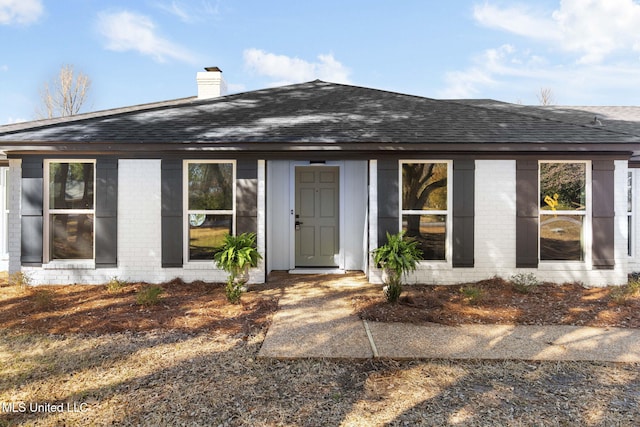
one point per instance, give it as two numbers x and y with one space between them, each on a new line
64 95
545 96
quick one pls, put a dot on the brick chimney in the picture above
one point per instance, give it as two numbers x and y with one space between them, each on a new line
210 83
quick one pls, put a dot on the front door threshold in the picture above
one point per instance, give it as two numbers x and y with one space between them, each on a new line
302 270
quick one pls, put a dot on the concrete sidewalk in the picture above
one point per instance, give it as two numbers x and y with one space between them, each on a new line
315 320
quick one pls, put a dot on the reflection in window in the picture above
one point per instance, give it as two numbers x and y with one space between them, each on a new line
561 238
210 186
431 234
71 210
210 207
425 206
71 236
206 233
562 211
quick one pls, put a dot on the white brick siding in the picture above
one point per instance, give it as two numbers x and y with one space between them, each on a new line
495 230
139 237
139 233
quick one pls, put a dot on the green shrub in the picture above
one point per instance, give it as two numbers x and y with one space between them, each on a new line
115 285
20 279
524 282
623 294
472 294
42 298
148 295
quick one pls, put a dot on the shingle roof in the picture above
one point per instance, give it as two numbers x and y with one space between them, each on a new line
310 113
623 119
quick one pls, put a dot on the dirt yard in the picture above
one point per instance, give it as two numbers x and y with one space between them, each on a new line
81 355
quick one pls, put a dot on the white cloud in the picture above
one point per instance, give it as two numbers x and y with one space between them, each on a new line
288 70
593 29
590 54
510 74
517 19
126 31
4 67
20 11
189 12
13 120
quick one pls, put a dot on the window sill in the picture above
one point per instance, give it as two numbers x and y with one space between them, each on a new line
434 265
563 266
70 265
200 265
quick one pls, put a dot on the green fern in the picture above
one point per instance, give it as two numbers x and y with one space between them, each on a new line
399 255
237 252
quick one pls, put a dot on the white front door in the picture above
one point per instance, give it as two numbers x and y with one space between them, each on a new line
317 218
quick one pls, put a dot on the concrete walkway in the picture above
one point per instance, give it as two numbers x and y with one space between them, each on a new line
315 320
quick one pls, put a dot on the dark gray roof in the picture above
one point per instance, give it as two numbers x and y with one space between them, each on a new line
313 115
623 119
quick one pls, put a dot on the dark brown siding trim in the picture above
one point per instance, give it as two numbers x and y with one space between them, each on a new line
171 178
388 199
602 214
32 210
106 233
526 213
246 196
463 212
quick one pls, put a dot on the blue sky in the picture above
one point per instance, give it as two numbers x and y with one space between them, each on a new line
137 51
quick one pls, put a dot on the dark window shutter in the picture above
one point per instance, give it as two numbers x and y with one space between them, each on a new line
602 213
527 213
32 211
106 225
463 212
246 196
388 199
172 226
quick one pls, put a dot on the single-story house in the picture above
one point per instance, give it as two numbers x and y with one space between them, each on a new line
321 172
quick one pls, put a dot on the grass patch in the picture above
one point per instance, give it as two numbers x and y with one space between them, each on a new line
524 282
148 295
42 299
623 295
115 285
472 294
20 280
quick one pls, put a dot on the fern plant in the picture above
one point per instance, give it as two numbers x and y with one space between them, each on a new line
236 255
398 256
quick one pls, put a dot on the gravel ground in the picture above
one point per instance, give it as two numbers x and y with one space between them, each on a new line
176 378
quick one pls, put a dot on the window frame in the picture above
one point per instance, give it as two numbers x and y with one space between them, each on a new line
48 211
187 211
448 213
586 238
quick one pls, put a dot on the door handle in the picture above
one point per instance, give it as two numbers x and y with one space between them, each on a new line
298 224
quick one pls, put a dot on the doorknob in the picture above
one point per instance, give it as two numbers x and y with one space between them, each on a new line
298 224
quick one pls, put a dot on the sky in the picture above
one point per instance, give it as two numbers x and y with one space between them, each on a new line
586 52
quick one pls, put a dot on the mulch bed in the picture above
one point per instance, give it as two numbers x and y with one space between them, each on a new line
91 309
495 301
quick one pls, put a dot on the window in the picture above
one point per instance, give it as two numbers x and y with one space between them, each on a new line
630 234
563 209
70 210
425 213
210 206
